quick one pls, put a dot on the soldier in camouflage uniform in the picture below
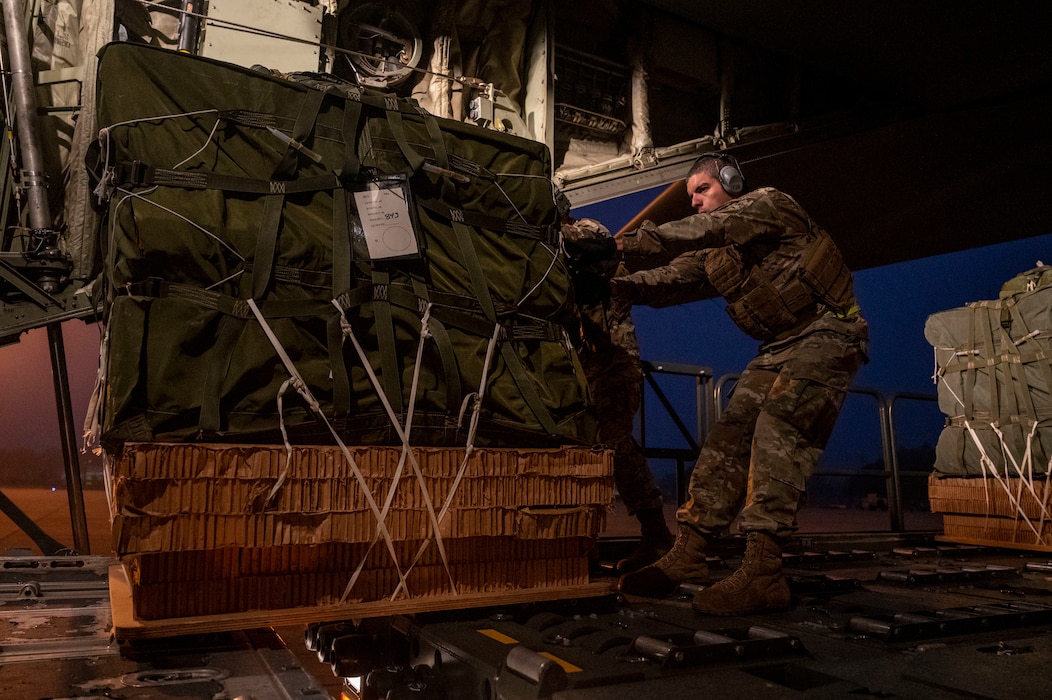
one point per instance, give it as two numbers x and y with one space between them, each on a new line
609 354
785 285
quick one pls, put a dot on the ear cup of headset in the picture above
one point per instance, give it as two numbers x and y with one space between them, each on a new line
731 179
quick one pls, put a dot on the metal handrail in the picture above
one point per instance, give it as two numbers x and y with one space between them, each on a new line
889 445
703 404
892 443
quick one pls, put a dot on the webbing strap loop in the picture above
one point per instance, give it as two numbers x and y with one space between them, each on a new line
394 118
444 346
227 335
308 114
484 221
266 244
385 337
352 114
140 174
523 381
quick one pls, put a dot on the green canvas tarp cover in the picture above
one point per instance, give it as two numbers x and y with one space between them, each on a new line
994 370
225 186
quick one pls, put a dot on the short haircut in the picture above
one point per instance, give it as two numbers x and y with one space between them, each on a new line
710 164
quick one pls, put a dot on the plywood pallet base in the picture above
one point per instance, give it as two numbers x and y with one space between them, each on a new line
126 627
985 512
994 531
981 542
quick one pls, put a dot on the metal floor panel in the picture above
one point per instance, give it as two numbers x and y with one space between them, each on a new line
905 621
930 621
56 642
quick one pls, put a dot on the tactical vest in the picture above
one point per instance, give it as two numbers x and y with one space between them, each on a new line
766 308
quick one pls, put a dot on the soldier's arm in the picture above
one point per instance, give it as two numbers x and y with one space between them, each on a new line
681 281
753 216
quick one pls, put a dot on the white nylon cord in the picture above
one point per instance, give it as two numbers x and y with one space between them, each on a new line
140 196
1024 471
544 277
301 386
469 446
987 464
407 451
940 373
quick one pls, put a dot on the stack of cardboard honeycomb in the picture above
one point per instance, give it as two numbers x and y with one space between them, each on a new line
197 536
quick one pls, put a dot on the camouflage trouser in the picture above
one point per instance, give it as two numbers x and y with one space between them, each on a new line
616 385
769 438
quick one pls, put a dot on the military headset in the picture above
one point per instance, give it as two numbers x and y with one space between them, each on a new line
730 174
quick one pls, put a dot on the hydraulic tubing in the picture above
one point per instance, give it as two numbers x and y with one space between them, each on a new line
39 214
22 88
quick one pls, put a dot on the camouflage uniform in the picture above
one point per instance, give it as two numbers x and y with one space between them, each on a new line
783 408
609 354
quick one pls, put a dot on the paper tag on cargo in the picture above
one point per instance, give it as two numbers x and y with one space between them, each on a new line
384 211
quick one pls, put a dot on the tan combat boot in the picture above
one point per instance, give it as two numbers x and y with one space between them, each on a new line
685 562
655 541
758 586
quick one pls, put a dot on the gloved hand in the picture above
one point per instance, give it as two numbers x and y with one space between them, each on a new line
625 293
590 286
586 251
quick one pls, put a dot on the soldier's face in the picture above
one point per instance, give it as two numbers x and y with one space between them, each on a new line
706 193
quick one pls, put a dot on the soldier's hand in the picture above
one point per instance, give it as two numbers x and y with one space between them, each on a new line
590 286
626 293
587 251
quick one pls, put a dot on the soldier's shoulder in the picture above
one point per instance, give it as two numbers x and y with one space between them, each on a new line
586 228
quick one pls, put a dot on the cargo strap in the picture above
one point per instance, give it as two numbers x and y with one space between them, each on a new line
273 204
438 145
466 240
341 377
342 252
228 305
139 174
490 223
394 118
457 311
308 115
1039 359
385 337
1011 357
275 122
352 117
446 355
209 421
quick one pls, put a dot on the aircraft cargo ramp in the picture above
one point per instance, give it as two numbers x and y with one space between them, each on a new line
874 616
